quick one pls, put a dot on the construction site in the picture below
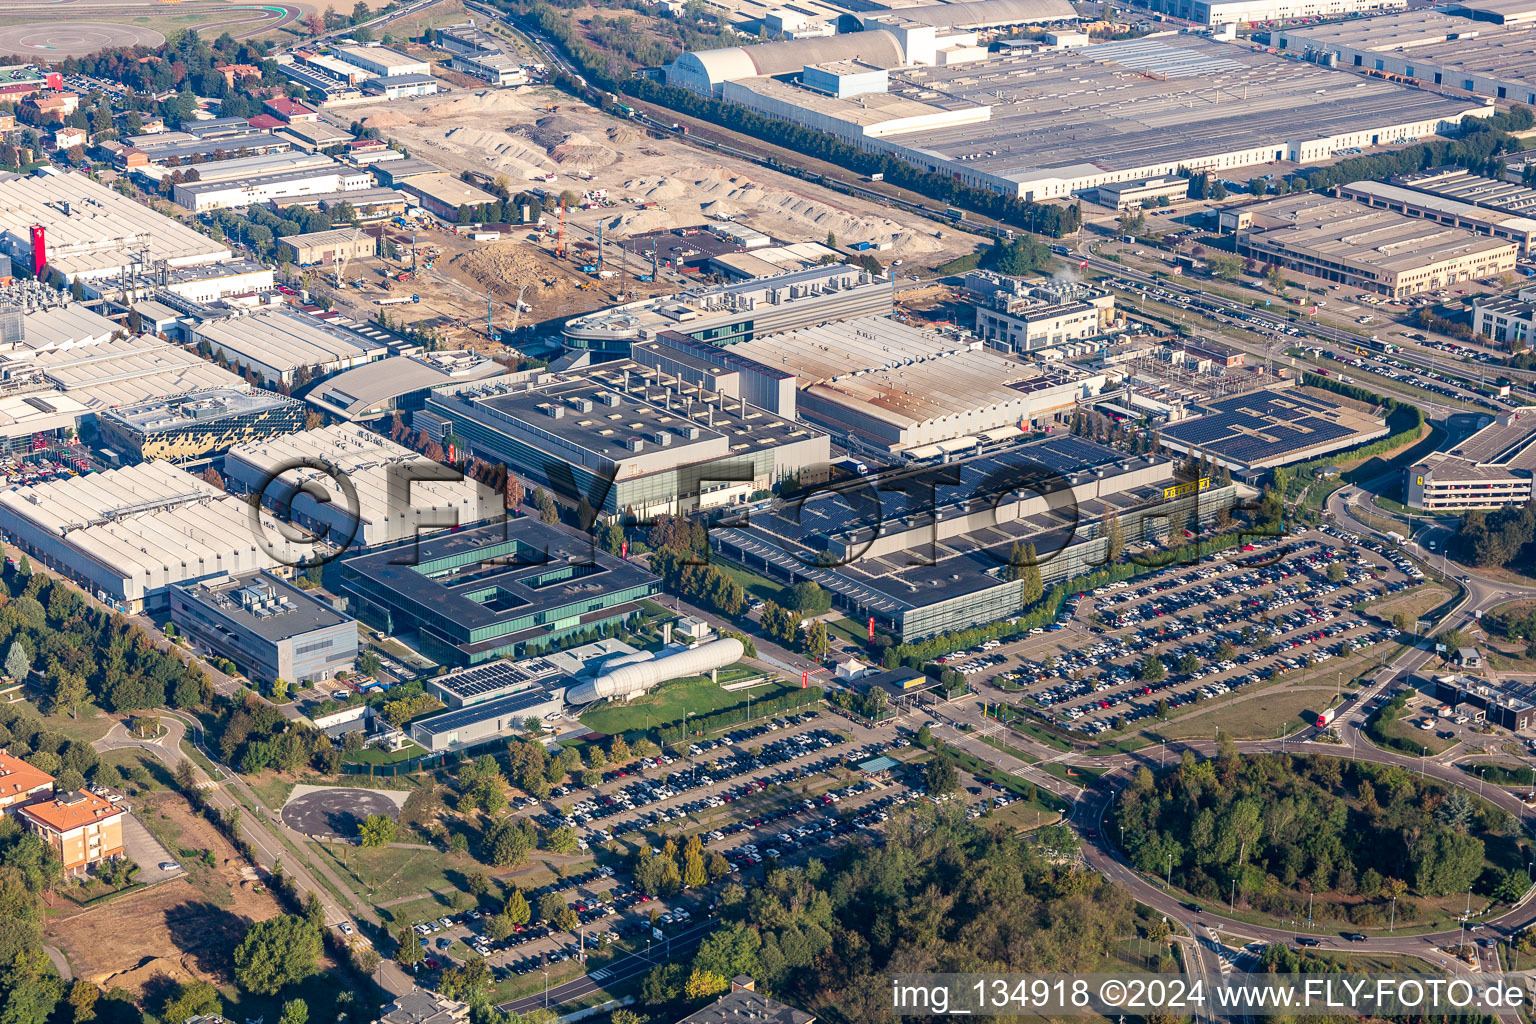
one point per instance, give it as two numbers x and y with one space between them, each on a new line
624 183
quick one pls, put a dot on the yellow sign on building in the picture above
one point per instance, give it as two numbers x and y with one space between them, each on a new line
1179 490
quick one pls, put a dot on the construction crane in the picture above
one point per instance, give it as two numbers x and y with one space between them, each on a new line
560 238
517 310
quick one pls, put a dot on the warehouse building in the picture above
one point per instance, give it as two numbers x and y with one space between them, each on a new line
382 62
1490 469
230 193
268 627
727 314
327 247
1412 203
127 535
277 344
1506 318
1373 249
1271 427
488 721
354 488
1457 47
1229 12
202 284
511 589
928 556
1052 125
441 193
369 204
400 383
901 388
92 231
398 87
1463 186
194 428
628 437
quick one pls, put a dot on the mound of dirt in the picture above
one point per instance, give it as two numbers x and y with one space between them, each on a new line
622 136
505 267
135 979
386 119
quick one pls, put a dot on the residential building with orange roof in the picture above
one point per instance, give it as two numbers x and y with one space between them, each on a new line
21 783
83 828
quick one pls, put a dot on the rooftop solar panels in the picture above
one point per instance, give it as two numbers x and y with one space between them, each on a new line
476 683
502 707
1263 426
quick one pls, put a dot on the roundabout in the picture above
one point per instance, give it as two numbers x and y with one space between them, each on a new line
330 812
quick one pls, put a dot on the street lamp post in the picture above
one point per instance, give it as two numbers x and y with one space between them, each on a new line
1392 924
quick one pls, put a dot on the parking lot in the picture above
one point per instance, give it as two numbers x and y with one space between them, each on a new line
1213 628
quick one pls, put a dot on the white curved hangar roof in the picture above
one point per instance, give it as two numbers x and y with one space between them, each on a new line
734 63
982 13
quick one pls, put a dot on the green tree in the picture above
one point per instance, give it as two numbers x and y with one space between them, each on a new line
1033 587
941 777
295 1011
408 949
82 1001
694 873
18 663
377 830
277 952
1151 670
517 910
560 840
192 999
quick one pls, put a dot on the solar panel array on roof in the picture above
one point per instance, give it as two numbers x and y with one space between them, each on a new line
1256 427
483 679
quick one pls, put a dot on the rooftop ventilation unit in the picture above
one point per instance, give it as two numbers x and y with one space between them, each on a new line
635 444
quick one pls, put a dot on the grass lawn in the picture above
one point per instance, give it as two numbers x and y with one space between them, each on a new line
755 584
389 873
1256 717
373 755
1415 603
91 726
671 702
1076 774
1416 738
847 629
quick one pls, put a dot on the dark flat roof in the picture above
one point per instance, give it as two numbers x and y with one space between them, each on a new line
1267 424
287 612
499 708
439 574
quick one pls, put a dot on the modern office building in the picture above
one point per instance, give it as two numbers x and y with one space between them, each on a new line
929 555
396 87
81 828
1490 469
265 625
1506 318
1271 427
400 383
1453 212
1376 250
491 720
1134 195
628 437
1476 47
509 589
196 427
727 314
355 488
1499 706
1022 316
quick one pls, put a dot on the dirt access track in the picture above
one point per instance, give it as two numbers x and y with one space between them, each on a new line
183 929
513 132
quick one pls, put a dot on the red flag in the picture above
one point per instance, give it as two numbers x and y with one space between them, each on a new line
805 680
871 627
624 549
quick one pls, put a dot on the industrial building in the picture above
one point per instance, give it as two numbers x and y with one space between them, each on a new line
727 314
493 680
268 627
86 230
1228 12
327 247
1051 125
201 284
1506 318
1490 469
231 191
127 535
479 54
509 589
397 87
1014 315
400 383
277 343
354 488
1412 203
1482 48
196 427
442 193
901 388
382 62
1373 249
1271 427
1463 186
369 204
628 437
922 550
